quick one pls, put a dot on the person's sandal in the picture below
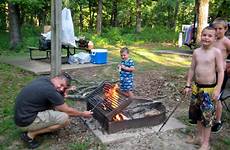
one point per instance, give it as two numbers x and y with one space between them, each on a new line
31 143
216 127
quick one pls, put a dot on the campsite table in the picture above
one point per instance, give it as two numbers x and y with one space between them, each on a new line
69 51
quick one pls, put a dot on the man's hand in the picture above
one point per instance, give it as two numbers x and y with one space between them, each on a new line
72 88
87 114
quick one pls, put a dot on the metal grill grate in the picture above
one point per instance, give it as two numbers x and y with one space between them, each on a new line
108 100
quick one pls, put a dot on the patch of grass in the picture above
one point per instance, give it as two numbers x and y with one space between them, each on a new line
80 145
12 79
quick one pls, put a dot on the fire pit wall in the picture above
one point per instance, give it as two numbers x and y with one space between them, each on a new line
108 102
135 112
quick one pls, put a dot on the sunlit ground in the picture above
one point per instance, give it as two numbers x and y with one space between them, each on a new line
145 54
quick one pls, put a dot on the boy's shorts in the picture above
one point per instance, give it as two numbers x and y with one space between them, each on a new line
46 119
201 106
126 84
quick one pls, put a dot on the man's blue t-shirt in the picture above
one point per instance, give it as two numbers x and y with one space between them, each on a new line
37 96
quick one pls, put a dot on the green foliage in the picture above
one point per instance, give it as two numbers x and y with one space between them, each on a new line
127 36
4 42
112 36
220 8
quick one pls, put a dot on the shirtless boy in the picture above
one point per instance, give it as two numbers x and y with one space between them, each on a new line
206 62
222 43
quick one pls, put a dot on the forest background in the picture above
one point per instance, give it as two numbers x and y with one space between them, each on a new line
105 22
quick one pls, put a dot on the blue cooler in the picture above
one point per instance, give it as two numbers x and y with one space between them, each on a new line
98 56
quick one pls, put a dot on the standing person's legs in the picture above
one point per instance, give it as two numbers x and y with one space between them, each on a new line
199 134
218 124
206 132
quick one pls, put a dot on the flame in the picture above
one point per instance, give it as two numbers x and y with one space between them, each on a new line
120 117
112 96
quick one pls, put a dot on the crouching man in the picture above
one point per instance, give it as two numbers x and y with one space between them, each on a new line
40 108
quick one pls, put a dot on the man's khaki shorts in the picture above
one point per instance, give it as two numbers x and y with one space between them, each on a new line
46 119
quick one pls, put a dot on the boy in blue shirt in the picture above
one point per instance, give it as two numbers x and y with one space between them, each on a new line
126 68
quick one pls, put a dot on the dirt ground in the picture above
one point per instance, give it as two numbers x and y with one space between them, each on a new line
156 85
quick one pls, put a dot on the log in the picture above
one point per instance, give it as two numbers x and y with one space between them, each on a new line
152 113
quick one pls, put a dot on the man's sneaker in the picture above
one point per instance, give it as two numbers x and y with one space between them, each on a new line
216 127
31 143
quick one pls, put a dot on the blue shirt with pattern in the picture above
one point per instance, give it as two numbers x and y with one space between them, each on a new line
126 77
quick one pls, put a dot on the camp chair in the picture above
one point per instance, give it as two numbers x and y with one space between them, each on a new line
225 95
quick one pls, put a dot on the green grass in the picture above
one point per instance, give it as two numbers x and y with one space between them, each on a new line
11 80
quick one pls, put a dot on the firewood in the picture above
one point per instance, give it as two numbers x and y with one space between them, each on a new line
152 112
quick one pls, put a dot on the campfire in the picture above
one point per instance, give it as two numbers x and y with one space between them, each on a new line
115 112
111 95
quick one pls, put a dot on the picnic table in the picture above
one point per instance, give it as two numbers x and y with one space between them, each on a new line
70 50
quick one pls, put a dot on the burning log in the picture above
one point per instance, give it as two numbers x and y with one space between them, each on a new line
152 113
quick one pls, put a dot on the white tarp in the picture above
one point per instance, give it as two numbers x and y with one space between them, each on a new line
67 35
67 31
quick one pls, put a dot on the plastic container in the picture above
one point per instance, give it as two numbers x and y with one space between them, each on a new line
99 56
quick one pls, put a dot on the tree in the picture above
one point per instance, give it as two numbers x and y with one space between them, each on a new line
99 17
202 15
14 25
138 16
114 21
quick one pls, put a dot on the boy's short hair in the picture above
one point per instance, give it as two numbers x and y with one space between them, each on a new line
220 21
124 49
209 28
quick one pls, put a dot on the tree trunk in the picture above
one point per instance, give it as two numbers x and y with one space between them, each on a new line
90 16
203 6
175 15
138 16
81 18
99 17
114 14
14 25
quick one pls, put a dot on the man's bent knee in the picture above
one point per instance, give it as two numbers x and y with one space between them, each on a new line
62 118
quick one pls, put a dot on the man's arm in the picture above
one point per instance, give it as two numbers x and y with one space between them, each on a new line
73 112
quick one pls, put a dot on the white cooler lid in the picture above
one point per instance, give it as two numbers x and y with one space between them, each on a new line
99 50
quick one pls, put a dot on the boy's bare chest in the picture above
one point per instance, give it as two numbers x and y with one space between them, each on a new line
206 58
